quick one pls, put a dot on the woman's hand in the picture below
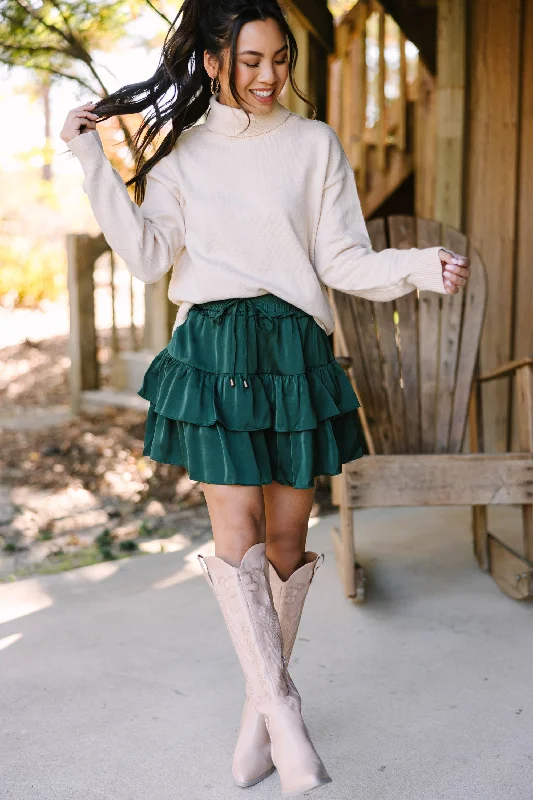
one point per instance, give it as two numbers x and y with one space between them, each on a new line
82 115
455 270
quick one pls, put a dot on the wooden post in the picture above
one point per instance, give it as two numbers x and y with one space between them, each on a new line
402 129
301 34
382 125
353 64
360 100
523 279
425 143
114 333
133 329
156 333
479 513
451 50
347 539
493 167
334 93
84 368
524 394
342 45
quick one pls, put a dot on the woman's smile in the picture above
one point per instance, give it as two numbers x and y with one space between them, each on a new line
263 95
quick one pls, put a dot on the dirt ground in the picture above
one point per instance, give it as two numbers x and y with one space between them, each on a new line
75 489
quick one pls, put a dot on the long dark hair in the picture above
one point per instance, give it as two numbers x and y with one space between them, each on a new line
180 88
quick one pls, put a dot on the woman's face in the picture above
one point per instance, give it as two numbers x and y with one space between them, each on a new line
261 66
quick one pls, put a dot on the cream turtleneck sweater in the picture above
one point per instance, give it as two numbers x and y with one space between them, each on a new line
241 211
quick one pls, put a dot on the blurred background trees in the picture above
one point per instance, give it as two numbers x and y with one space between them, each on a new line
53 49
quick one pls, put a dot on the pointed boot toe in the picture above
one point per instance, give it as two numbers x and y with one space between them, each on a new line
252 760
299 765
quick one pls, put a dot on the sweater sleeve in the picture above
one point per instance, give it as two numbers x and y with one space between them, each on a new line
148 237
343 253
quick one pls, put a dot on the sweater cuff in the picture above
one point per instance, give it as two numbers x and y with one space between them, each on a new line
88 149
426 274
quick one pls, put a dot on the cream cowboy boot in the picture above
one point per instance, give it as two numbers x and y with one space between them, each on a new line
252 761
245 598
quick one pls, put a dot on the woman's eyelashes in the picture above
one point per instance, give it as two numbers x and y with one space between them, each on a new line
255 66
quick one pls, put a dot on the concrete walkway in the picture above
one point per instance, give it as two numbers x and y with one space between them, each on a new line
118 681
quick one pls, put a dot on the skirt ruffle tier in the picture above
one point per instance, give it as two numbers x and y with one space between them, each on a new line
248 391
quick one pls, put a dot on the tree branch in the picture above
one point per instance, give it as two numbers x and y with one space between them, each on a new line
158 12
63 17
90 64
26 48
58 72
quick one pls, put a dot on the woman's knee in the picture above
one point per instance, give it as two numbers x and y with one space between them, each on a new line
237 517
285 549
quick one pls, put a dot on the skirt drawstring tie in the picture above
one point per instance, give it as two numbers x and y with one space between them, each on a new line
263 321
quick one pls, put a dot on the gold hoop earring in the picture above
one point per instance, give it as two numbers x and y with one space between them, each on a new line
215 89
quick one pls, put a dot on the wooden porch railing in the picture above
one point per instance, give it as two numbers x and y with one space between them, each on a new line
372 92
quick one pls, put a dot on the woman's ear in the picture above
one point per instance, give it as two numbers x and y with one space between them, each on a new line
210 64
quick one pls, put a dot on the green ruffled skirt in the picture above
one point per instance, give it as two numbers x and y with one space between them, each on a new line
248 391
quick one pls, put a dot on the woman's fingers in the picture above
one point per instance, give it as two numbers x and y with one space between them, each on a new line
458 280
455 270
79 120
87 114
449 257
82 110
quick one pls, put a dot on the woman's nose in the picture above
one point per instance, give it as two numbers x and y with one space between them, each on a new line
268 76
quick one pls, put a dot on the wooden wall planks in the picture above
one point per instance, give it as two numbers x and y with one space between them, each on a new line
425 144
523 326
451 75
492 153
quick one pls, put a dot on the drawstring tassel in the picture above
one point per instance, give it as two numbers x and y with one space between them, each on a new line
245 382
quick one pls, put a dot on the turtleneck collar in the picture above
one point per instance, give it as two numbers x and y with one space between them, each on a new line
232 121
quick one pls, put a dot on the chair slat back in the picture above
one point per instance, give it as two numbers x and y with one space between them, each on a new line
413 359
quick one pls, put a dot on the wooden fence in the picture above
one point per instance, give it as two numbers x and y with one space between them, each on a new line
107 363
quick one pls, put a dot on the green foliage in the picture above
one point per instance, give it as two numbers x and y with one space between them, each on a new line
31 271
128 545
45 535
145 529
104 543
58 36
60 563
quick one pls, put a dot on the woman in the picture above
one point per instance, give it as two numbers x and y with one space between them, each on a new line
257 211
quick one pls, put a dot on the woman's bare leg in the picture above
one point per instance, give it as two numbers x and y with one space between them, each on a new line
287 512
237 515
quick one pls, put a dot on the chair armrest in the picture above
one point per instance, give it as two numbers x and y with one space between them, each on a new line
505 369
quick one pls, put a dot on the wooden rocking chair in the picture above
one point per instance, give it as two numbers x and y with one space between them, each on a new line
412 365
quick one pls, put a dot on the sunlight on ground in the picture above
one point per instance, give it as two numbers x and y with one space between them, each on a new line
20 599
7 641
171 544
191 567
93 573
